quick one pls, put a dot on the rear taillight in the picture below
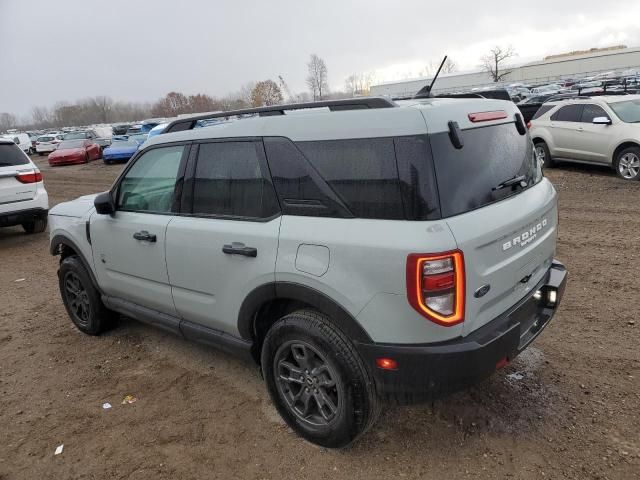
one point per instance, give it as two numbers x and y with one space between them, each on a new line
435 286
529 125
29 177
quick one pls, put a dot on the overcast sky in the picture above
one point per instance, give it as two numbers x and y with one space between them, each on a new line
138 51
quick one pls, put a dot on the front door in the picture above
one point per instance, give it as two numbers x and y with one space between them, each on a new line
225 242
129 246
596 139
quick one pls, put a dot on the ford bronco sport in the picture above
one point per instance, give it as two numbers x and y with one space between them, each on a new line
357 250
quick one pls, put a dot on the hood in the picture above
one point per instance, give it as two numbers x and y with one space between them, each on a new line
74 208
121 149
67 152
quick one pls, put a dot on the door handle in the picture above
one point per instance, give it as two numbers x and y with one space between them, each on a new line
144 236
240 249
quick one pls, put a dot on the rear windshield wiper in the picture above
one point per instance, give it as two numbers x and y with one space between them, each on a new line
519 179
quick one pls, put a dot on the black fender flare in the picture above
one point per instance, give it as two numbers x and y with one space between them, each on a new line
54 246
294 291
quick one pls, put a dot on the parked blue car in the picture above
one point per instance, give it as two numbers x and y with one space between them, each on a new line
121 150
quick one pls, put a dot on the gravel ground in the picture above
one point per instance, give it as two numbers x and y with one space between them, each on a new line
569 407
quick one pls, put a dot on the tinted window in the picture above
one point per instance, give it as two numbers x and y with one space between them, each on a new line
542 110
589 112
490 156
149 184
417 179
569 113
10 154
362 172
230 181
71 144
301 190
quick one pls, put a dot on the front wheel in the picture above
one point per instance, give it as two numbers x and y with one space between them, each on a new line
317 380
627 163
81 298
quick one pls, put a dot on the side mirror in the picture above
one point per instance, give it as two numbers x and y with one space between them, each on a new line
104 204
602 121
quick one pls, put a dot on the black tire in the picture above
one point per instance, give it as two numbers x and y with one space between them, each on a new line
38 225
350 406
543 150
627 164
82 299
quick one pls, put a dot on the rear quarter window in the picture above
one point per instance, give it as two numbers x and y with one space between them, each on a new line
568 113
11 154
362 172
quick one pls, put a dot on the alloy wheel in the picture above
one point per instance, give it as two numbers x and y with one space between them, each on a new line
77 299
307 383
629 165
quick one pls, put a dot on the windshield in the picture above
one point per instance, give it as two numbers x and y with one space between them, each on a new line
141 137
71 144
75 135
124 143
628 111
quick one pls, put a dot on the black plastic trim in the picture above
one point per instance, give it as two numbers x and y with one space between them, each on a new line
17 217
63 240
302 293
217 339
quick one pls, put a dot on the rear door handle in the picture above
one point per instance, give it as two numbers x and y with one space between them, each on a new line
240 249
145 236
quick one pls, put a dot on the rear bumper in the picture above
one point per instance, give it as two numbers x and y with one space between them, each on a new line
9 219
425 371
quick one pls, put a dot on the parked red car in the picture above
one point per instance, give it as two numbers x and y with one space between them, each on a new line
74 151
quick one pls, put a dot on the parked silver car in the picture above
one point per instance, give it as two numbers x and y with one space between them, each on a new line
598 130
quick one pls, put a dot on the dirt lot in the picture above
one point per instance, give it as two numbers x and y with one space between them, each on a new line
567 408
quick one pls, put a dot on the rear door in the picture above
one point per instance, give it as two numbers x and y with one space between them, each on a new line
224 243
14 162
507 235
566 129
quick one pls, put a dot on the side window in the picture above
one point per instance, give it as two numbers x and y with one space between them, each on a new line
149 185
230 181
300 188
363 173
592 111
541 111
568 113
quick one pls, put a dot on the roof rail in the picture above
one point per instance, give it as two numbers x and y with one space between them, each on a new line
333 105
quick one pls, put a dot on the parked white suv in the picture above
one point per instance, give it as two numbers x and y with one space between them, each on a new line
23 198
599 130
359 250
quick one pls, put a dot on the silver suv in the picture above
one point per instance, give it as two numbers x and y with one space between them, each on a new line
357 250
598 130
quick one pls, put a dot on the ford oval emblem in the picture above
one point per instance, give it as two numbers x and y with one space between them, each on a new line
482 291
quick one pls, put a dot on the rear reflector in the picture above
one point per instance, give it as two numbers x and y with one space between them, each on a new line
386 364
487 116
435 286
29 177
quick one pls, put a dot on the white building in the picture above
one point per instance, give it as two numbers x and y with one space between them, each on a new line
545 71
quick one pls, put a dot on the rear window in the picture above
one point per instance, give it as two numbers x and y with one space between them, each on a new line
10 154
468 178
542 110
45 139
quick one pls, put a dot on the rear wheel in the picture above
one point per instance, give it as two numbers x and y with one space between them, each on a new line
543 155
38 225
317 380
627 163
82 299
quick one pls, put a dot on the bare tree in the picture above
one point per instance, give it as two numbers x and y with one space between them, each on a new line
266 93
317 77
493 62
358 83
7 121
